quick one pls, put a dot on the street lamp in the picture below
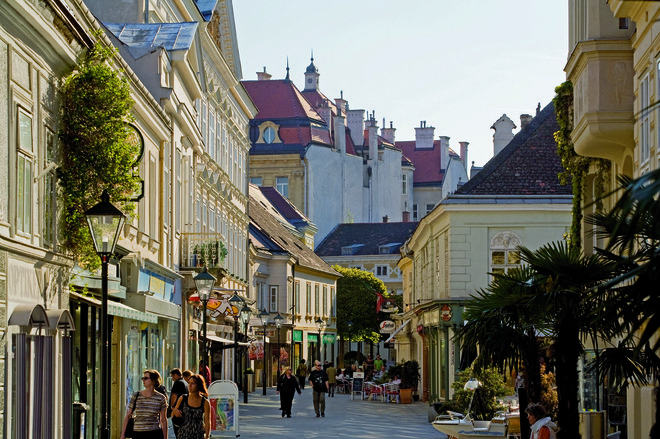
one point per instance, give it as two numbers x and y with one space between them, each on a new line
278 323
264 315
245 319
320 324
236 302
105 221
204 282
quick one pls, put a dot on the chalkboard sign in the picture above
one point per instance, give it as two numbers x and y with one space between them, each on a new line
357 384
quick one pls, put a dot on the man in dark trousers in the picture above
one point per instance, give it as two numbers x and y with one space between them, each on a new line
301 373
179 387
319 382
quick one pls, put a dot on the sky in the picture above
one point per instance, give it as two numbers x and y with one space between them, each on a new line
458 65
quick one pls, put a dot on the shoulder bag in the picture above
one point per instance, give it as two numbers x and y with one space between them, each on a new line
129 425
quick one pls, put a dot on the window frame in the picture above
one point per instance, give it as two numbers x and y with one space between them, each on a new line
24 177
644 124
273 298
282 187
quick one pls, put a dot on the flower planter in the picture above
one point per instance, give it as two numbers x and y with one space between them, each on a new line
406 396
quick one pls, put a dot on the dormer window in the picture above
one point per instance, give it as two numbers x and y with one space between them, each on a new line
268 133
351 249
389 248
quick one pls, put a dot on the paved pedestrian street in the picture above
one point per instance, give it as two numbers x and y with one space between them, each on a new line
344 418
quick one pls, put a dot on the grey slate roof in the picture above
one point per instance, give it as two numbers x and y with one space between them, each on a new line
275 238
170 36
366 238
527 166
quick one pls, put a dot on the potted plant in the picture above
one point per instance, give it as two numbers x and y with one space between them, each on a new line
409 380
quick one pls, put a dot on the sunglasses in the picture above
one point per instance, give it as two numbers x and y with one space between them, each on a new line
145 378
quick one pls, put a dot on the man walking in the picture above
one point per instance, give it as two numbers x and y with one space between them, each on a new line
332 379
301 373
319 382
179 387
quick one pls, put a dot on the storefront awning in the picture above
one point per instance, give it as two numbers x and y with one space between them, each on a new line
225 340
118 309
397 331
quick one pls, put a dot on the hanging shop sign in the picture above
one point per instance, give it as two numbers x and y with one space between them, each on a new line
387 327
445 313
328 338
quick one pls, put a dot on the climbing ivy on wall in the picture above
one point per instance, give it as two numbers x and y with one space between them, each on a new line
95 153
576 166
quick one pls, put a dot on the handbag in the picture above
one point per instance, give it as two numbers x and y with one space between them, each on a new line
128 432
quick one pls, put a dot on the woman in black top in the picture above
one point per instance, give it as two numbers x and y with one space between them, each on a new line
287 385
195 409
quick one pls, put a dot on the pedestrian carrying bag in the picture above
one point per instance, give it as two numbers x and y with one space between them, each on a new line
129 425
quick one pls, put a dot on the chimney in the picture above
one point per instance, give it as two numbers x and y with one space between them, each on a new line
388 133
424 136
325 111
464 153
386 219
340 133
444 152
405 216
355 122
340 102
373 140
503 133
264 76
525 119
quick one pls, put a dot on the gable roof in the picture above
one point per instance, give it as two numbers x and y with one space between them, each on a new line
284 207
269 234
528 165
366 238
170 36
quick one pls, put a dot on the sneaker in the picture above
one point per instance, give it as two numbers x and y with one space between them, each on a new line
323 414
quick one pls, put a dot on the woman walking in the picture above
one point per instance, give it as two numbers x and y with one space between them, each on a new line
195 409
287 385
542 426
150 409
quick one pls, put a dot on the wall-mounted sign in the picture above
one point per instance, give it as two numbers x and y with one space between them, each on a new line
387 327
445 313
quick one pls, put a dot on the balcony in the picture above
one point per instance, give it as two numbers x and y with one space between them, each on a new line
602 74
199 249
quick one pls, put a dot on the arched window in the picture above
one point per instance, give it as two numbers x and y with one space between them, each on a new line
503 252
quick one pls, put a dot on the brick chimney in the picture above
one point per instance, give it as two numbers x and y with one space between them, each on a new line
386 219
464 153
405 216
388 133
424 136
525 119
264 76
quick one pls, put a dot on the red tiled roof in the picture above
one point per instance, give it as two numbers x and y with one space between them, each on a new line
317 99
277 99
427 162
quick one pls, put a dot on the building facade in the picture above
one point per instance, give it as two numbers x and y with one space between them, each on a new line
614 66
516 199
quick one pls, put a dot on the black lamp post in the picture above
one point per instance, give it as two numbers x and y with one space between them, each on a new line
204 282
236 302
105 221
264 315
320 324
278 324
350 328
245 319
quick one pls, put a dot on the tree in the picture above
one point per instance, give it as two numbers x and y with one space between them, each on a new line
356 302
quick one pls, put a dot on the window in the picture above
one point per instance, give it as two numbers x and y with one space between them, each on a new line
325 300
282 186
261 295
297 297
317 308
381 270
257 181
308 305
50 192
503 253
429 208
333 299
177 195
269 135
211 144
273 298
404 181
644 127
414 212
24 175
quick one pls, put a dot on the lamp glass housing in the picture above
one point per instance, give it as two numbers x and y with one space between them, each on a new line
204 282
245 314
104 221
278 320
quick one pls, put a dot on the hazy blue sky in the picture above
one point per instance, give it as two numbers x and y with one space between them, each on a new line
458 65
